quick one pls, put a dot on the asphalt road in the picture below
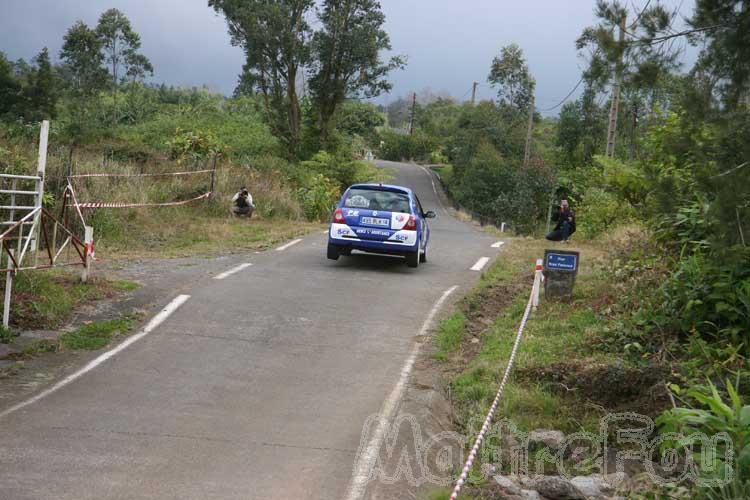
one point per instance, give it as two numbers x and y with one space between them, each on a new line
257 387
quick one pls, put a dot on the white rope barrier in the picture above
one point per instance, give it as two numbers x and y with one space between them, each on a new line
167 174
103 204
533 297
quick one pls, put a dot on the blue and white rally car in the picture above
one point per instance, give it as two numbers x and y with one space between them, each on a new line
379 218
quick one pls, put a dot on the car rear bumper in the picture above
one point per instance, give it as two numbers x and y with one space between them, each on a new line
347 240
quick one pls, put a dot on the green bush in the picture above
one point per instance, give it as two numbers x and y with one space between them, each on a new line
718 418
599 211
318 197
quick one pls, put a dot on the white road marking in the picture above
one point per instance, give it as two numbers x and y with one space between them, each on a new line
498 244
155 322
434 189
284 247
368 454
480 264
232 271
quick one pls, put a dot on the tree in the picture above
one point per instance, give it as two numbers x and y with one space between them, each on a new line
82 53
359 118
398 112
120 45
510 74
10 89
42 96
640 57
83 58
726 52
275 36
346 57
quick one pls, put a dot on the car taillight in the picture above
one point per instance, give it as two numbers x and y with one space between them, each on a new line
338 216
411 224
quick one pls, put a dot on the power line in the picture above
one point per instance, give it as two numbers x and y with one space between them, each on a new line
565 98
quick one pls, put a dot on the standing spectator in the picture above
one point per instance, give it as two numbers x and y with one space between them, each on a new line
566 223
242 203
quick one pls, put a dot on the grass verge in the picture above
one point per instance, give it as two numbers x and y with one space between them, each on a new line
564 375
46 299
92 336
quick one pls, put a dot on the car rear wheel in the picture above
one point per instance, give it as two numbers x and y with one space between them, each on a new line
423 256
333 252
412 259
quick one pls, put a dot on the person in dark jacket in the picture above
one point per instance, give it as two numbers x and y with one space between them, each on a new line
566 223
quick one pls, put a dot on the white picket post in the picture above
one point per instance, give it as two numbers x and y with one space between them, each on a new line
8 288
88 252
41 168
537 283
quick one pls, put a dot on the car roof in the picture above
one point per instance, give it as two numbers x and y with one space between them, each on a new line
382 187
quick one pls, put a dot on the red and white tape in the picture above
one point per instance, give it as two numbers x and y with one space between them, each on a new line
167 174
104 204
491 414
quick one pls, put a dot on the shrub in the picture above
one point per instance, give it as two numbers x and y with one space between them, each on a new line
599 211
318 197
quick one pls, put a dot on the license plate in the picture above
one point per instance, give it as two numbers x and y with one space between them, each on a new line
372 221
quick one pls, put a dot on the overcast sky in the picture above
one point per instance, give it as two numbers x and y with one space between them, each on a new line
449 43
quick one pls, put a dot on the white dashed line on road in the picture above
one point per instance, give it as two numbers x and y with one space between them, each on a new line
480 264
232 271
290 244
155 322
498 244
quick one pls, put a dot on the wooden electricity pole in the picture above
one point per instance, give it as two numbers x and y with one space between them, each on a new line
474 93
615 104
529 132
413 112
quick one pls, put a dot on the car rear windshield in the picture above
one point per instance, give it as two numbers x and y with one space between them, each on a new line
372 199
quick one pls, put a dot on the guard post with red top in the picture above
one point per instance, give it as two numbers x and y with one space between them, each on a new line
88 245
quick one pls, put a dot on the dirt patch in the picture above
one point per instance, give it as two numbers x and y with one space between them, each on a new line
613 387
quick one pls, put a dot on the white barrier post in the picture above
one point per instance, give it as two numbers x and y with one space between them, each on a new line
502 227
8 288
39 198
537 283
88 252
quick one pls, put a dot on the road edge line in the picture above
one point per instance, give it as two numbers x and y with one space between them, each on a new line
155 322
367 456
434 189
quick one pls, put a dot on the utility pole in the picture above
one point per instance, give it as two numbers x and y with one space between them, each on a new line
615 104
413 112
474 93
529 132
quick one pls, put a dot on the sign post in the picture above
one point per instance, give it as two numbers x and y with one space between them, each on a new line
560 272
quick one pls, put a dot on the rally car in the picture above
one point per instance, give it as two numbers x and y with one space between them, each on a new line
380 218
